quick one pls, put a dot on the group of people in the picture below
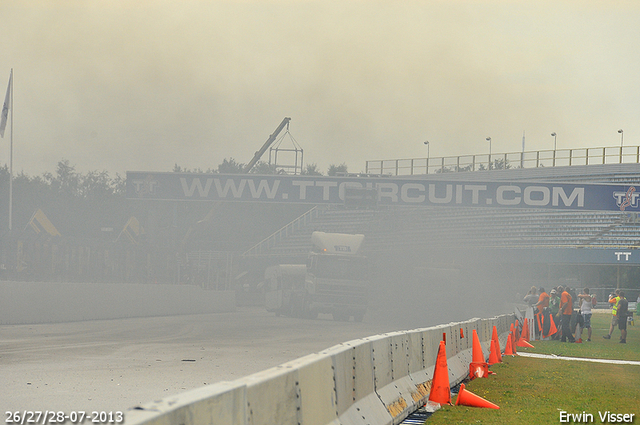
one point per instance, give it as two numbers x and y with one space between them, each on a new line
555 317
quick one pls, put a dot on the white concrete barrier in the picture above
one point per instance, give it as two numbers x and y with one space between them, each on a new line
377 380
273 397
223 403
365 407
343 374
52 302
317 389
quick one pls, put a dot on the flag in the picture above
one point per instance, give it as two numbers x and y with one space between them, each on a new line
5 107
132 231
40 223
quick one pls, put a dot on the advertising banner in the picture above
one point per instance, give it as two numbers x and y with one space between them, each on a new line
389 191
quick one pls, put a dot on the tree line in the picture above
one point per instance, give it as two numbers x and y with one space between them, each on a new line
86 205
231 166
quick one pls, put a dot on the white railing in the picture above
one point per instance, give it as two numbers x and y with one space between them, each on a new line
531 159
281 234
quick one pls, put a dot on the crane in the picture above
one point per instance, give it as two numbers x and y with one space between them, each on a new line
263 149
246 169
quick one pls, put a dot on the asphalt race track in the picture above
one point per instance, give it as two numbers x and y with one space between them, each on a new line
113 365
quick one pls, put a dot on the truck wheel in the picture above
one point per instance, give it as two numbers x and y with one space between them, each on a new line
297 307
341 316
307 311
311 314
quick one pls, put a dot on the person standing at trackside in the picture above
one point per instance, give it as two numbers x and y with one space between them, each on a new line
576 318
623 309
542 322
613 300
566 308
554 302
554 307
532 297
585 311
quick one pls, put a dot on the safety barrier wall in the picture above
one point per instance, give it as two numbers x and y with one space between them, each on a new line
50 302
376 380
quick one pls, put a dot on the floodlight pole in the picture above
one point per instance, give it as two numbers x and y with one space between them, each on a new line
621 143
489 140
427 143
555 146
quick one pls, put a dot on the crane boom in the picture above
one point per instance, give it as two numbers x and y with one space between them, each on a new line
266 145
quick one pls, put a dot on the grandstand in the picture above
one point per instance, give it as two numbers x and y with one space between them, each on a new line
474 227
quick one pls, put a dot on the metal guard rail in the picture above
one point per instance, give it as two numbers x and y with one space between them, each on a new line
530 159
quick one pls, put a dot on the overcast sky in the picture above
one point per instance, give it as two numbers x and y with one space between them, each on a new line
145 84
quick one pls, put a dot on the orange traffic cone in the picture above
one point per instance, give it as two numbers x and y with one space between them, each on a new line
513 343
524 336
461 333
477 355
493 355
523 343
525 330
494 337
508 350
478 367
440 390
553 329
467 398
494 333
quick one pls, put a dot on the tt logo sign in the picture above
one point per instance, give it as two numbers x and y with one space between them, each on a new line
627 199
620 255
147 186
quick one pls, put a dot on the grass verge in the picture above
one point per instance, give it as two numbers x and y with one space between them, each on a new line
599 347
536 391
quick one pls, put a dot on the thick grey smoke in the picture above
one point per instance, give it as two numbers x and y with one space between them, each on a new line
143 85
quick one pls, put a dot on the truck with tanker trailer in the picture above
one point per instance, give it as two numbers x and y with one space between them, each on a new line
333 281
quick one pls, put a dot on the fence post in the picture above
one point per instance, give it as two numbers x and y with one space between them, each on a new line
620 154
570 155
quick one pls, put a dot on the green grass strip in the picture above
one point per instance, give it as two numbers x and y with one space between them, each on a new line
599 347
536 391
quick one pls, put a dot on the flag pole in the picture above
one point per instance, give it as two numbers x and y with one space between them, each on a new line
521 156
11 158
